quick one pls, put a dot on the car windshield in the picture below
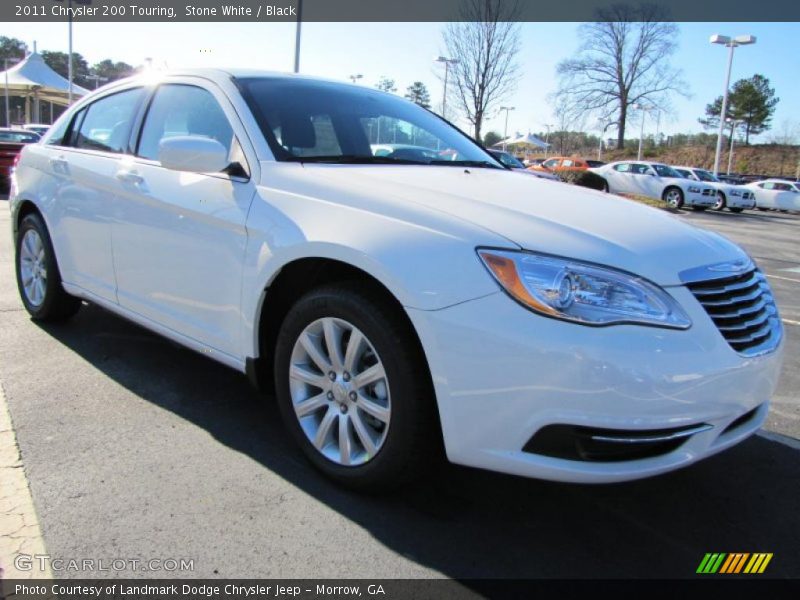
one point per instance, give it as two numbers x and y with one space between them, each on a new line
507 159
319 121
665 171
704 175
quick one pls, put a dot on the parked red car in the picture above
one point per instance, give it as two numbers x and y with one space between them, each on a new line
11 143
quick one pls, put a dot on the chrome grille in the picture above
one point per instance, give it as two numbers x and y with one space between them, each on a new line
743 309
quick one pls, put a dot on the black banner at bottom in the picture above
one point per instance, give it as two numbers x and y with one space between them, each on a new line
386 589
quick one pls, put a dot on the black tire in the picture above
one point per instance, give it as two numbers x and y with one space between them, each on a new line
736 210
721 201
414 433
56 305
761 208
605 186
673 196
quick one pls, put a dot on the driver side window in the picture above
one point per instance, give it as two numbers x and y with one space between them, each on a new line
178 110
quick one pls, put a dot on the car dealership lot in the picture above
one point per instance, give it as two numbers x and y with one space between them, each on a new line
138 449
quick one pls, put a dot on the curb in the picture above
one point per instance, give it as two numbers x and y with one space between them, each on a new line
20 533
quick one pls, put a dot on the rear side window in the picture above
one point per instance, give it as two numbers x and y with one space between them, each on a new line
179 110
623 168
106 124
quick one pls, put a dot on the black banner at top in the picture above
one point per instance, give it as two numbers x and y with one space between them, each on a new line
385 10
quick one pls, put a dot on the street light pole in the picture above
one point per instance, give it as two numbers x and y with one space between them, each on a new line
546 141
297 36
733 137
643 109
505 131
447 62
731 44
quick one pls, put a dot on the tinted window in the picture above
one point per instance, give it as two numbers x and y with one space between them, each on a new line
550 164
330 122
665 171
567 163
19 137
623 168
107 123
57 133
179 110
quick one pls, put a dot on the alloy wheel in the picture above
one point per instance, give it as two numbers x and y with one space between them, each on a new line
340 391
33 267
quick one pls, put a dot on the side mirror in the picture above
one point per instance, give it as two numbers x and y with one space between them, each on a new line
192 153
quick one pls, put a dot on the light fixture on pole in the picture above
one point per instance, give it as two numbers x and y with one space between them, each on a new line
731 44
355 77
643 108
505 131
447 62
6 62
297 36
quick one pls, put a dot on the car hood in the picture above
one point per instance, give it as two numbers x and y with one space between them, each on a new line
540 215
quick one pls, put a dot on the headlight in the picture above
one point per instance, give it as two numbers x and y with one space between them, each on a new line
580 292
694 189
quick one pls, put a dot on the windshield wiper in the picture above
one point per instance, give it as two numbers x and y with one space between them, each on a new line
356 159
481 164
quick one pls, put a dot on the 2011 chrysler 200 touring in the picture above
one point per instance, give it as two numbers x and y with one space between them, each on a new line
396 299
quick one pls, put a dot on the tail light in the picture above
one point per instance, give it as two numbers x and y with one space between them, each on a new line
16 160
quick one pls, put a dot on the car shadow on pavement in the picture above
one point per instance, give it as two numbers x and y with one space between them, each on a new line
467 523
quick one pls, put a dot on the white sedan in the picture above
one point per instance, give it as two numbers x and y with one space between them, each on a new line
734 197
657 181
401 305
776 194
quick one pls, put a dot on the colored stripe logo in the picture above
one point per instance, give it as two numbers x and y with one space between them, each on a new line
734 562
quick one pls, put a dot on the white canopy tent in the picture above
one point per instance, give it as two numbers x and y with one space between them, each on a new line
522 140
34 81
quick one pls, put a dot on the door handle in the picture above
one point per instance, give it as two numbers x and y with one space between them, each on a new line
59 164
131 177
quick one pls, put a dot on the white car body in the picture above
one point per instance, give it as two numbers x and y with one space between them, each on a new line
640 177
777 194
734 196
193 257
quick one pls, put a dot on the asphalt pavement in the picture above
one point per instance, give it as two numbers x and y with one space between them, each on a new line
136 448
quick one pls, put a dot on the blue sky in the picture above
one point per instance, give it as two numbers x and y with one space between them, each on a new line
404 52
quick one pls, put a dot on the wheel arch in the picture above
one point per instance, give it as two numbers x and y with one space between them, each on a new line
294 279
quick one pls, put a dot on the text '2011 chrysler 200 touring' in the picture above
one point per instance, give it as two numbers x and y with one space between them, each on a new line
396 287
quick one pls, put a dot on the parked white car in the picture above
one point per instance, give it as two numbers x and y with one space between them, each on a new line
734 197
657 181
396 306
776 194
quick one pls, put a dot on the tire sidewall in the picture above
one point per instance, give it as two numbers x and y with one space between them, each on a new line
405 396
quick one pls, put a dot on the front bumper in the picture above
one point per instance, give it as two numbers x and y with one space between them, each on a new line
502 373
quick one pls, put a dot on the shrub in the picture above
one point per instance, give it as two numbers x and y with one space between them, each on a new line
587 179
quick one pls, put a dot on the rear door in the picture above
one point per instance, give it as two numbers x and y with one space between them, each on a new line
179 238
81 171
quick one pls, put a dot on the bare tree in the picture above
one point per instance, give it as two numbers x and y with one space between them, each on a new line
485 43
623 60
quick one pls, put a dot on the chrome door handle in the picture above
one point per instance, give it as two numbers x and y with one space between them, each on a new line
130 177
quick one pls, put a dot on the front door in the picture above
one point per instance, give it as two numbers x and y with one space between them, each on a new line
179 237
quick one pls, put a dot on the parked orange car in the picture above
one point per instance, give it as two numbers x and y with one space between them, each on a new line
561 163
